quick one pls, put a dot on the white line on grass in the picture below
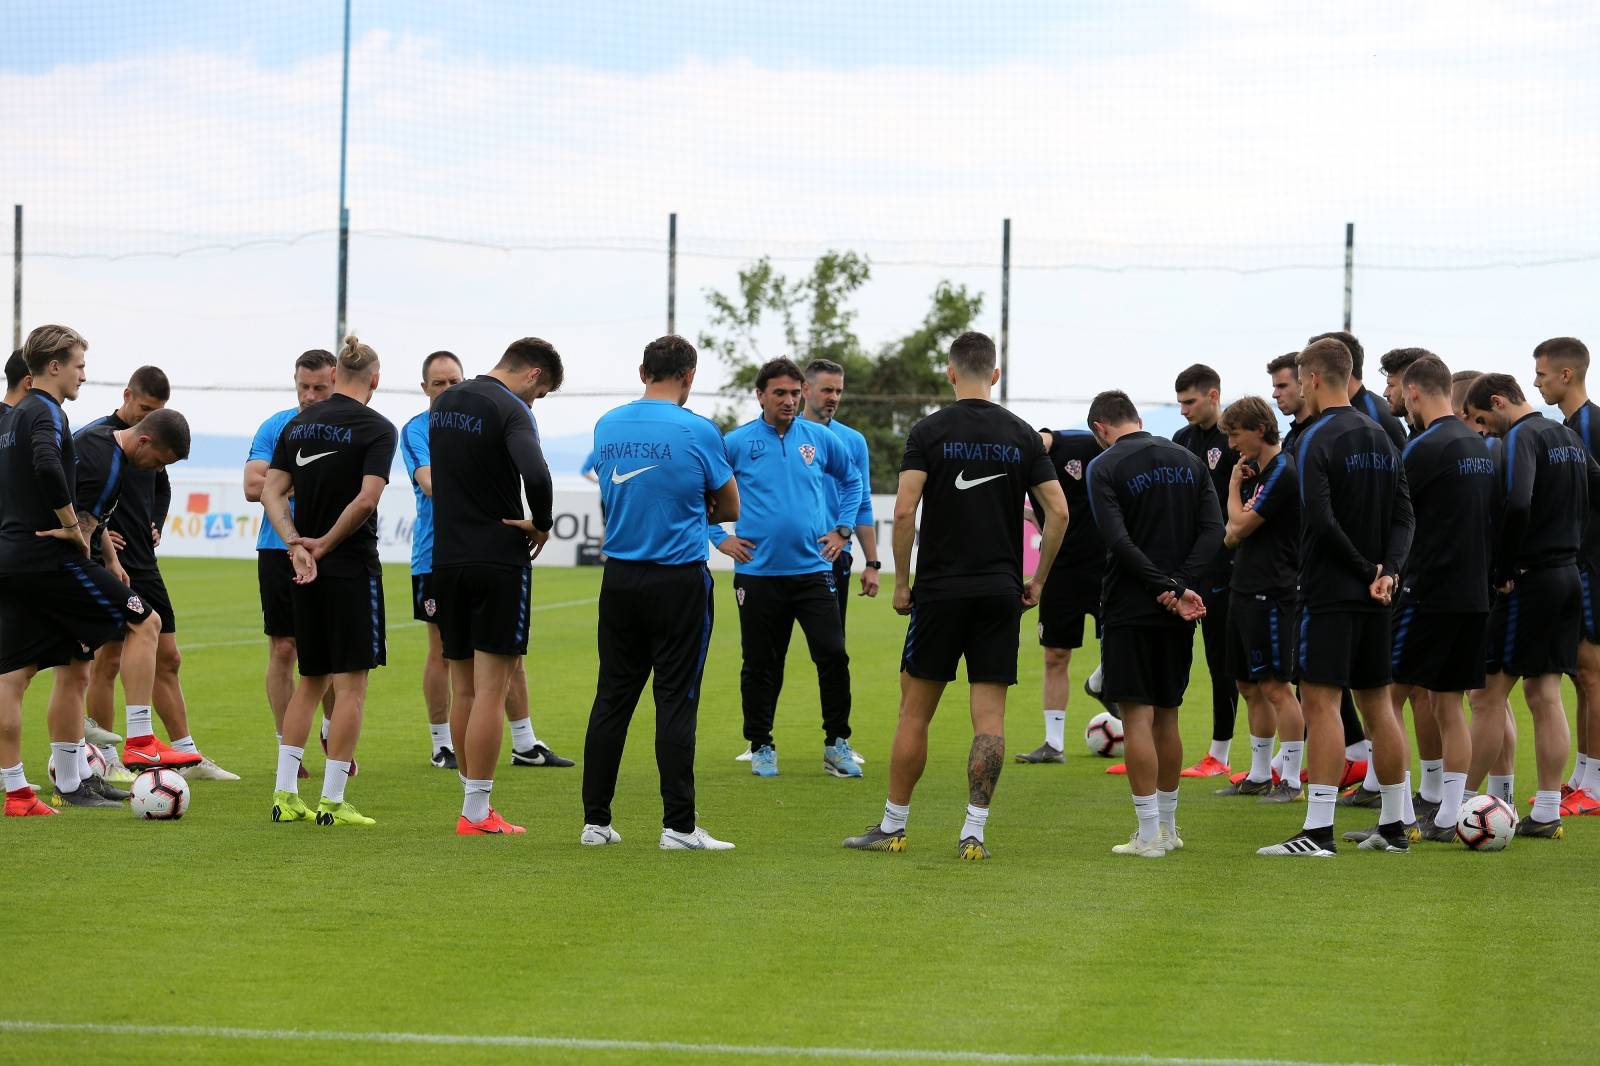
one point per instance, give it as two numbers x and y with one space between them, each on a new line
397 625
656 1046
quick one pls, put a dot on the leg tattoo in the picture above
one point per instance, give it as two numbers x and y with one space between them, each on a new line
983 767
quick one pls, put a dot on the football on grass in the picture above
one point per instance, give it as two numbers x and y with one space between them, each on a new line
1103 735
1486 823
160 795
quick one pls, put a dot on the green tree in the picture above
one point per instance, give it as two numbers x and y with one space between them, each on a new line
886 391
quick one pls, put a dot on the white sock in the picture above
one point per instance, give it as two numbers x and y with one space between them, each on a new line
84 771
109 754
1591 778
186 744
1468 793
1260 759
1319 806
1393 803
1097 680
1371 782
441 736
1149 815
1167 809
139 722
326 725
894 817
67 774
1546 806
1408 810
1276 766
475 799
1431 781
1055 729
1361 749
522 737
1504 786
1578 769
289 758
13 778
973 826
1451 789
335 775
1220 749
1293 753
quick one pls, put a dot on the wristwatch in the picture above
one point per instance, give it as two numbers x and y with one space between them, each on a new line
876 564
844 531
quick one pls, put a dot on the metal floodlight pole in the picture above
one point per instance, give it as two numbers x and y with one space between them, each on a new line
1349 270
1005 312
672 273
16 277
344 213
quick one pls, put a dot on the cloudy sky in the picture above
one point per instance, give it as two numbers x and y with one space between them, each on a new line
1178 175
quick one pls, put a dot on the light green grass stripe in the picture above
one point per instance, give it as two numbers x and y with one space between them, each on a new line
658 1046
412 624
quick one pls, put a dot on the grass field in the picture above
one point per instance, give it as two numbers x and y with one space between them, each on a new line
1055 951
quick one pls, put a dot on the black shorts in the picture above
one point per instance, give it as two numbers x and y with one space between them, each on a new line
984 630
275 574
150 588
1061 622
1146 666
1534 629
339 625
1441 651
1260 638
424 607
482 608
1590 615
51 617
1349 649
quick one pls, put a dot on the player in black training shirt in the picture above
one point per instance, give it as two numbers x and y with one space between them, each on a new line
1373 406
1560 370
1263 526
1157 512
1355 529
1199 390
1072 593
56 605
486 459
970 466
18 381
1547 477
335 458
1440 633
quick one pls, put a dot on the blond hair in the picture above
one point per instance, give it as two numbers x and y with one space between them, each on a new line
356 358
46 344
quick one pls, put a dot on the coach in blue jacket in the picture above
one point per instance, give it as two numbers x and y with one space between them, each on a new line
783 549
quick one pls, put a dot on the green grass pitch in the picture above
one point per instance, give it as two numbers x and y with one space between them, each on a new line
1055 948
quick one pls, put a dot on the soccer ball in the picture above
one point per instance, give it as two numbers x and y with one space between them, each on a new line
1103 735
1486 823
97 763
161 795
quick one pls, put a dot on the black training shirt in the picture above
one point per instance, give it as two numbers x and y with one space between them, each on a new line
102 478
327 450
1157 512
1451 478
486 457
146 497
1547 476
1210 446
37 469
1354 511
1585 422
1267 562
981 460
1376 408
1082 553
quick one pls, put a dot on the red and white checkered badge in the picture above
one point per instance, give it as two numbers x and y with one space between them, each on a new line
738 595
429 607
1214 456
136 605
1075 469
808 452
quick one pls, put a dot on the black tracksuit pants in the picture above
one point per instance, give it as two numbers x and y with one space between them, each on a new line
841 584
652 618
768 609
1214 632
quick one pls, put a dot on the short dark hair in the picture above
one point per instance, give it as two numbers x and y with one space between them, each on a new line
1351 345
1490 385
314 359
1286 361
1200 377
668 357
972 354
781 367
1329 357
1112 408
1395 360
1428 374
1460 381
441 354
822 366
530 352
150 381
1568 351
46 344
16 370
168 429
1251 412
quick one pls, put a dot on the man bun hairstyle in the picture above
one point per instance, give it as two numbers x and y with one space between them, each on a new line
668 357
1487 386
46 344
1250 413
168 429
1565 351
1199 377
1429 374
1395 360
1329 357
357 358
1351 345
1287 361
529 352
781 367
1112 408
973 355
315 359
150 381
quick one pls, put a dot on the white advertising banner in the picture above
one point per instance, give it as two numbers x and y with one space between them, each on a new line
210 518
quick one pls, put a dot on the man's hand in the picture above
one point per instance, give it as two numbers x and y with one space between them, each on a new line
902 598
1382 587
832 545
1506 589
869 583
305 563
71 534
155 535
116 539
119 573
1031 593
1190 607
536 537
738 549
316 547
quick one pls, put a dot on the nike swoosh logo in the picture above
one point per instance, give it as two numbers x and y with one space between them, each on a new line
146 756
619 478
302 459
963 483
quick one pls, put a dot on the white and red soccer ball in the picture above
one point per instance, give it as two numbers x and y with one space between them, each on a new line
1486 823
1103 735
160 795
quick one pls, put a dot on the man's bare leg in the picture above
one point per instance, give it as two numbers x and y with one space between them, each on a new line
1551 743
984 760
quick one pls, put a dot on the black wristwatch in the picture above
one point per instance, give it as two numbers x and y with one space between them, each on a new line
844 531
876 564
